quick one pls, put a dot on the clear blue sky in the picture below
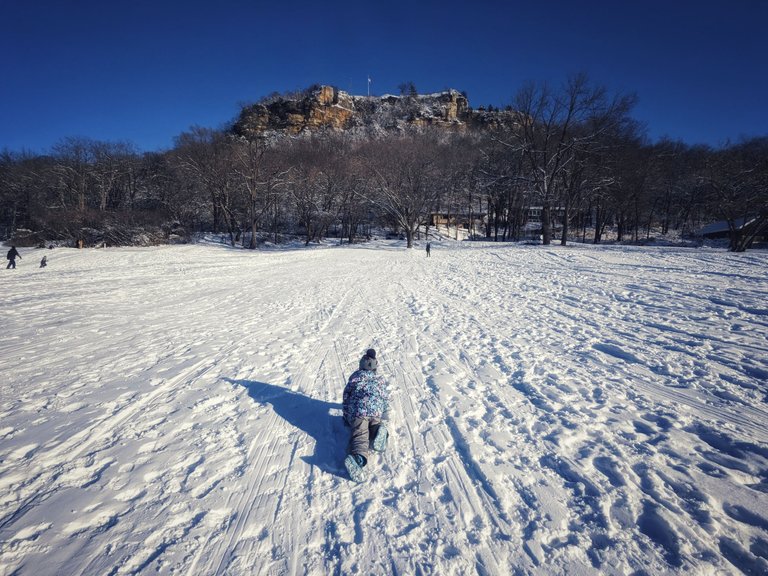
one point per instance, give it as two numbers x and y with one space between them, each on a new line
146 70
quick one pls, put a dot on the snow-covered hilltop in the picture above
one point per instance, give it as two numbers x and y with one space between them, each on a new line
580 410
326 107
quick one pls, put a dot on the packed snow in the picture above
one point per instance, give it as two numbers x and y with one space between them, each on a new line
556 410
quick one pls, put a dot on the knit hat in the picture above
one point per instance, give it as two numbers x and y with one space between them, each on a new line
369 362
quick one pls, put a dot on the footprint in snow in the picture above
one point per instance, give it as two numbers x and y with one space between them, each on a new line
616 352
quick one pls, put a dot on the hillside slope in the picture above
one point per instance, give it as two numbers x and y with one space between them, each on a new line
175 410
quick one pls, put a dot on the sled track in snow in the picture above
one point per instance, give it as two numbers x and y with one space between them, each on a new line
271 481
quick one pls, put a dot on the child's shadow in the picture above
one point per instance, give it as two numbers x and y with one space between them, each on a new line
320 420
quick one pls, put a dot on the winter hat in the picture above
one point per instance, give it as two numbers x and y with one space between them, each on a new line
369 362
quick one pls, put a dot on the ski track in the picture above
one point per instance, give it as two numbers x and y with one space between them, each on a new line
555 410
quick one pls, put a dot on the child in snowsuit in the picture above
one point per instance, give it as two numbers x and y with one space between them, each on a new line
365 403
11 257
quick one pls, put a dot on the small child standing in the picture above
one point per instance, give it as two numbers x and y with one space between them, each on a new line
365 403
11 257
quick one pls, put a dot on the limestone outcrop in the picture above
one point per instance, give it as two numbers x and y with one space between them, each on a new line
328 108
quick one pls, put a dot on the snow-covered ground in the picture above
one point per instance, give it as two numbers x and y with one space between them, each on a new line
573 410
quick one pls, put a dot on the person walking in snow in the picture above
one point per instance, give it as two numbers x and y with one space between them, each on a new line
365 403
11 256
428 249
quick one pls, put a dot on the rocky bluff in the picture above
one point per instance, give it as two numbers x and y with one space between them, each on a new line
327 107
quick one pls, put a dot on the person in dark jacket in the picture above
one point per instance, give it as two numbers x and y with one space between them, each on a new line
365 403
12 255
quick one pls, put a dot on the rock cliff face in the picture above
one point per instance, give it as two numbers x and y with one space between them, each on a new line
328 108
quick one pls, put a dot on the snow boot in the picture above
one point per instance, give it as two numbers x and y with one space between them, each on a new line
355 465
380 442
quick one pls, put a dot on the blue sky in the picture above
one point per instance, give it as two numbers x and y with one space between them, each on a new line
146 70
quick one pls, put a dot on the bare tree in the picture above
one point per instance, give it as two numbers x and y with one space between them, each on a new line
26 182
738 180
111 172
557 126
74 161
458 178
206 155
320 179
259 175
503 179
404 171
408 89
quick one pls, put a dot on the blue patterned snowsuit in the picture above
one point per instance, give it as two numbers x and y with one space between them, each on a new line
365 401
365 396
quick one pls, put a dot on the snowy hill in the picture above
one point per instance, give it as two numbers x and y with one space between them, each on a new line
175 410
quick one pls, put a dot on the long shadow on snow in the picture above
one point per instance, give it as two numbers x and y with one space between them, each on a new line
311 416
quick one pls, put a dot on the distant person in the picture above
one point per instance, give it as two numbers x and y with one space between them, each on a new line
44 262
429 247
365 406
12 255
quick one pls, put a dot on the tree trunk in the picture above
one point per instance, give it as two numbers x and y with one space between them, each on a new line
564 236
599 217
546 225
254 230
215 217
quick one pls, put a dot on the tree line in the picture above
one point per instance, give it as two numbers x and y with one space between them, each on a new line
572 156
